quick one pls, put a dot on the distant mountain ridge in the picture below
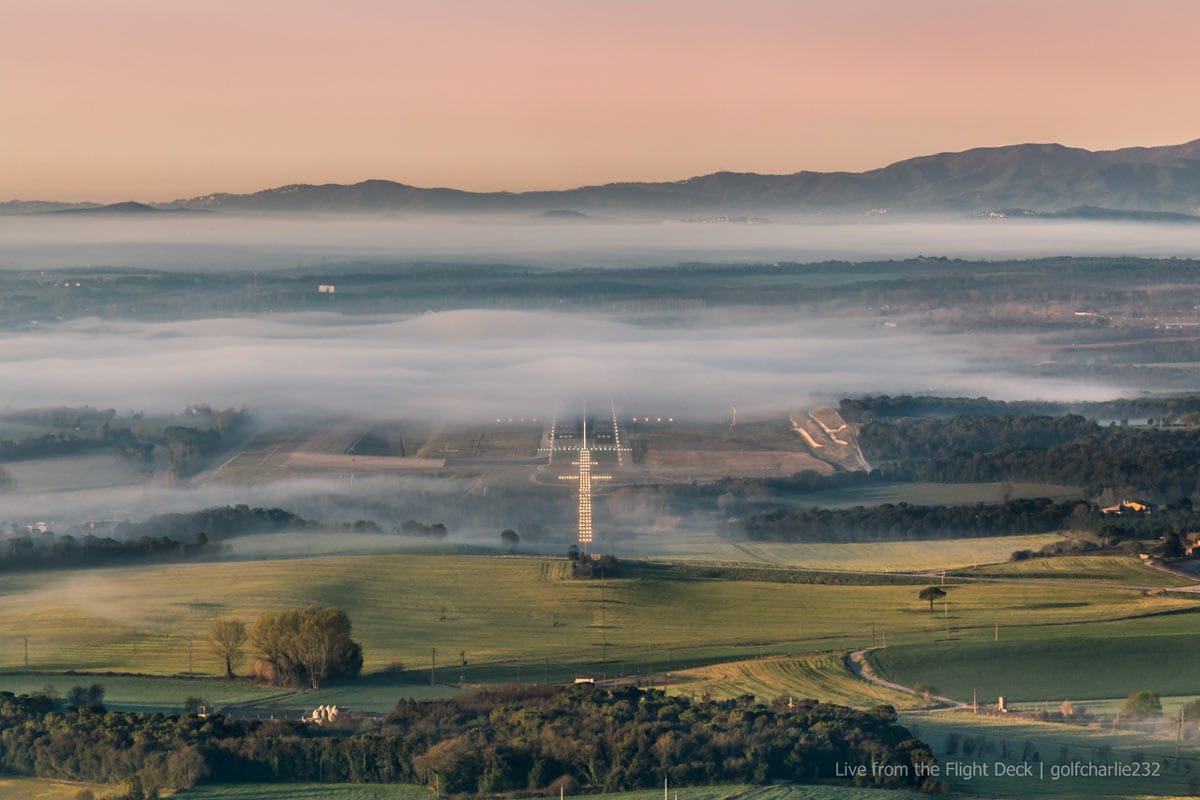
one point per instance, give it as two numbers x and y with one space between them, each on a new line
1046 177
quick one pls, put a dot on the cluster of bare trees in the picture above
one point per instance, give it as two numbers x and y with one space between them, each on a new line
297 646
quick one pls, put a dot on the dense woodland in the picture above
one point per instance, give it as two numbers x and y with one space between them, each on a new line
960 436
901 521
187 441
873 407
220 522
483 743
1161 464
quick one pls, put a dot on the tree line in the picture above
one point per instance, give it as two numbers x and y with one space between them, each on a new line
218 522
1163 464
958 437
167 537
901 521
481 743
875 407
159 538
49 550
1170 524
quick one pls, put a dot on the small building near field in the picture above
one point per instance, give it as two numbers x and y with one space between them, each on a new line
1128 507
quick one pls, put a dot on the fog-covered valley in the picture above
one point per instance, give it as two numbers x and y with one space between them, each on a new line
224 242
420 333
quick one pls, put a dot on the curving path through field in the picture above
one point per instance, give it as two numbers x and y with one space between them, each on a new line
856 663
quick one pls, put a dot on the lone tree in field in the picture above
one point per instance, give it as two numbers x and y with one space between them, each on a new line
305 646
931 593
1142 705
227 640
510 538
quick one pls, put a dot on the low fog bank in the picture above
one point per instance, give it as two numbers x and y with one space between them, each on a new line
316 544
543 516
474 365
386 501
218 242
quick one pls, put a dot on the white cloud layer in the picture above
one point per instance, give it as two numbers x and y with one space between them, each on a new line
478 363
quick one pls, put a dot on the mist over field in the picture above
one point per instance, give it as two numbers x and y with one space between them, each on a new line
480 363
328 500
217 242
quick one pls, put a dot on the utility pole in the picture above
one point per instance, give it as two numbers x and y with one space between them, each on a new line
432 666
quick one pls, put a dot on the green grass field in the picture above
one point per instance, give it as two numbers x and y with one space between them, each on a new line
501 613
1084 662
100 470
689 545
523 617
1123 569
168 694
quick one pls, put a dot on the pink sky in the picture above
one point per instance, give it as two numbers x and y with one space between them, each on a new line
157 99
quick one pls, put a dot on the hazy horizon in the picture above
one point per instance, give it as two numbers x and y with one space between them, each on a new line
227 242
132 99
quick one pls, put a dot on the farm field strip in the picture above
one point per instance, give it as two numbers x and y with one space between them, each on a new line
50 789
1080 664
914 556
85 472
168 694
1125 569
822 676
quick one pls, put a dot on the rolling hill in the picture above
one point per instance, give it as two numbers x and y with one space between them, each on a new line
1042 176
